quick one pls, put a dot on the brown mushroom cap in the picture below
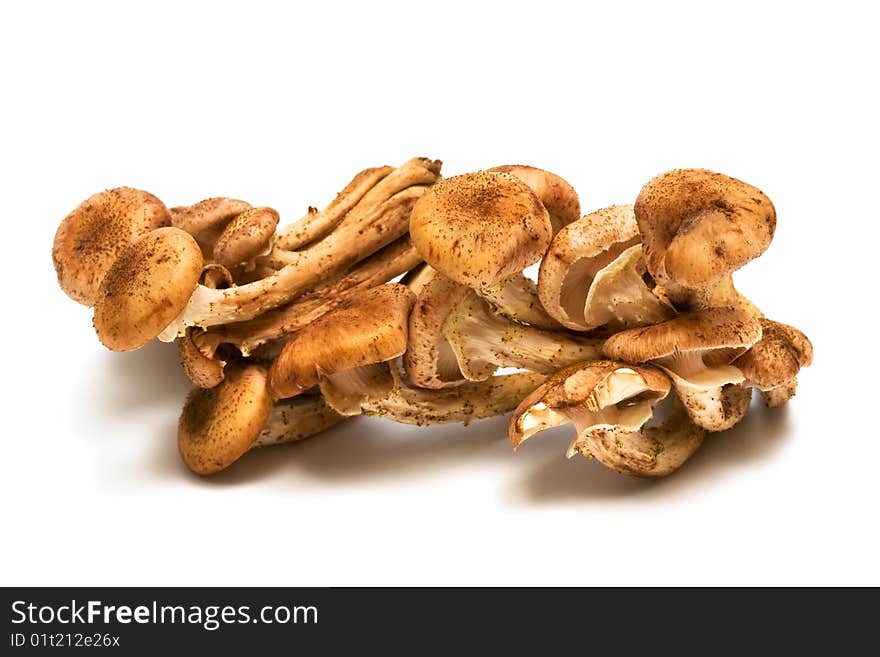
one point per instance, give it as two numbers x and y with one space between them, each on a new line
555 193
369 327
147 287
91 237
479 228
207 214
220 424
777 357
246 236
203 371
714 328
698 226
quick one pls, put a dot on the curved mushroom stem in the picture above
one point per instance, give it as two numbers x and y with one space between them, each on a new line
295 419
368 191
327 258
483 341
315 225
393 260
471 401
647 452
780 395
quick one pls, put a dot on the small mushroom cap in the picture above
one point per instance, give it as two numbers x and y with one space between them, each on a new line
479 228
220 424
91 237
210 213
246 236
147 287
554 192
698 226
203 371
714 328
369 327
589 387
777 357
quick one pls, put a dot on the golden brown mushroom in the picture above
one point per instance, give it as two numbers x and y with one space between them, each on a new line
771 365
90 238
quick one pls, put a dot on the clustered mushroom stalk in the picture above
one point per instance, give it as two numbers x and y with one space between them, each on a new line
634 332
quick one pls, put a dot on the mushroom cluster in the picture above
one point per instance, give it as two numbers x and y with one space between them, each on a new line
634 332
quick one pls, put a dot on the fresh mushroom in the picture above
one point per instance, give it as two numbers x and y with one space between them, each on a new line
697 228
90 238
696 351
609 404
555 193
454 336
220 424
338 350
148 285
771 365
481 230
207 219
594 274
245 237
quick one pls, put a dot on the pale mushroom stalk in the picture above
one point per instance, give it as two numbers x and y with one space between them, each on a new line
359 199
496 395
391 261
317 224
696 350
327 258
484 341
609 404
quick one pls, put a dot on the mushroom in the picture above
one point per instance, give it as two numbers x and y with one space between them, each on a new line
696 350
391 261
555 193
207 219
454 336
593 274
330 257
472 400
245 237
201 367
697 228
90 238
609 404
148 285
481 230
338 350
220 424
771 365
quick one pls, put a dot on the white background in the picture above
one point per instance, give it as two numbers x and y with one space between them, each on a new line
280 107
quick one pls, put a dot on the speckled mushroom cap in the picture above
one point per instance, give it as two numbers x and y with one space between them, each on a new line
369 327
698 226
554 192
479 228
576 255
146 288
90 238
246 236
777 357
220 424
715 328
207 214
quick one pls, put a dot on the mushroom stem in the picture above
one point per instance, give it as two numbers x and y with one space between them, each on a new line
354 203
315 225
470 401
517 298
295 419
393 260
483 341
325 259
